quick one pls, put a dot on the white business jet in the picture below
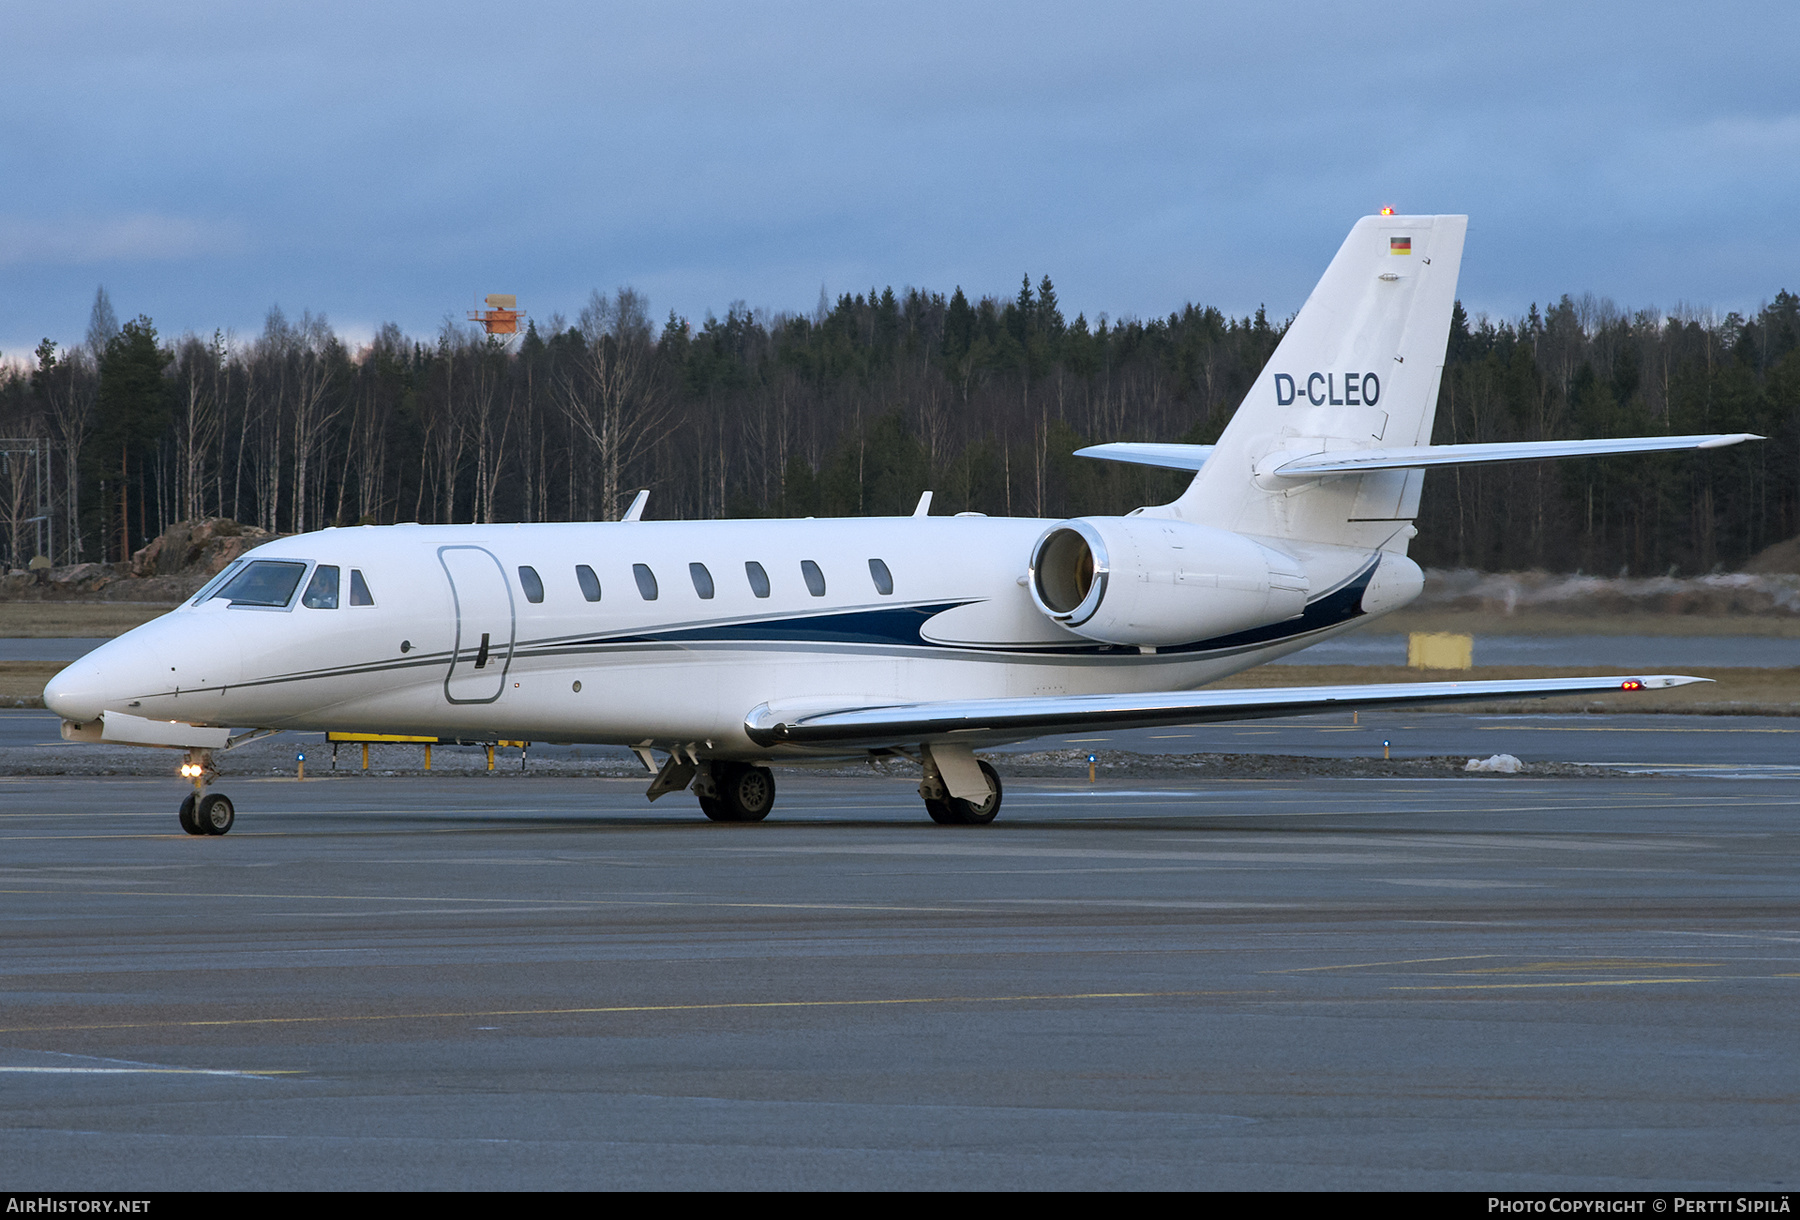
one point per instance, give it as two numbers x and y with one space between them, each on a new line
728 645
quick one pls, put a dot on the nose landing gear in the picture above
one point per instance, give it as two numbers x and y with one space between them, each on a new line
204 813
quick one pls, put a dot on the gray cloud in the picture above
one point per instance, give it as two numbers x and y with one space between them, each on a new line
27 241
388 162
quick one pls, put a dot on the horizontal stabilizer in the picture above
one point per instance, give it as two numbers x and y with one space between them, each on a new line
1169 457
1352 461
983 721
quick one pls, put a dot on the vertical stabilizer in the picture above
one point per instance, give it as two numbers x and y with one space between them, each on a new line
1358 369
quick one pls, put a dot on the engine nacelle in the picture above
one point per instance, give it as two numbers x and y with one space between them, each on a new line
1156 583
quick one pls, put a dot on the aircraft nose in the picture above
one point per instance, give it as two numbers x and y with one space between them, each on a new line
155 662
77 693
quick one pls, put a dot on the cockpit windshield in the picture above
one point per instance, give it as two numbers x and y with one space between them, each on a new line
263 582
212 586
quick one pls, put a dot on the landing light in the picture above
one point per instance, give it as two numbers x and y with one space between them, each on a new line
191 770
1631 684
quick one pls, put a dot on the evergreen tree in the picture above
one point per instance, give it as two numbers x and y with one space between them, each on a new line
132 414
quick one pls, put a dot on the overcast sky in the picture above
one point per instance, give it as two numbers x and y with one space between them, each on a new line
206 160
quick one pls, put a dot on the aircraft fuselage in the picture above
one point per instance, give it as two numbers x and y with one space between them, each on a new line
694 624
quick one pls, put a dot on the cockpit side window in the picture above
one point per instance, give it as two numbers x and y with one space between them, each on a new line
264 582
322 590
212 586
359 589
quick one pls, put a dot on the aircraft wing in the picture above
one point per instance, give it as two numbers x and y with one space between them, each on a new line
992 721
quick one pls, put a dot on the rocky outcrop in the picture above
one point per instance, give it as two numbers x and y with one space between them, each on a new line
171 567
197 548
1783 557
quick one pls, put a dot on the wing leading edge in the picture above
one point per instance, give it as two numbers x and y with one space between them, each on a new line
991 721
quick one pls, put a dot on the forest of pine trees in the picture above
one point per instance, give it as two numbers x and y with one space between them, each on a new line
859 408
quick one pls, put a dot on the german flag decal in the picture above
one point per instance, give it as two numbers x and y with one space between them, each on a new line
1399 245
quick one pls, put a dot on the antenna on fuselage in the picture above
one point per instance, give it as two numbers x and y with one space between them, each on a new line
636 511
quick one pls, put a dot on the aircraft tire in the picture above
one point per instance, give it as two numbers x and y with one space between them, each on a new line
967 813
214 814
715 809
941 812
190 822
748 793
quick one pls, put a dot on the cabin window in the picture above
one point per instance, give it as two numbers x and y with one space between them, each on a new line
322 590
815 579
534 587
759 579
212 586
703 584
884 579
590 584
646 581
264 582
359 589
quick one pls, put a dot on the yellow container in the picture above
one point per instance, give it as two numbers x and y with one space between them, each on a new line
1440 650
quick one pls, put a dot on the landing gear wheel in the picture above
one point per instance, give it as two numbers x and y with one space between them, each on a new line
214 814
190 821
748 792
968 813
940 812
714 809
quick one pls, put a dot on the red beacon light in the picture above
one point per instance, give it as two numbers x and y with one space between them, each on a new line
1387 211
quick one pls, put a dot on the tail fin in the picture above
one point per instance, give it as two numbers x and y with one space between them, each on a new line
1358 369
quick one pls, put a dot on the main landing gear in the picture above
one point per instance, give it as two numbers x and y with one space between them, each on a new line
203 812
958 789
735 792
953 770
727 791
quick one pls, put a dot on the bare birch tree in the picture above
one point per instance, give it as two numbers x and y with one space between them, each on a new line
612 396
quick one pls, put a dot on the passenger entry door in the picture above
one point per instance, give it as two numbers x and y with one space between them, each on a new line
484 624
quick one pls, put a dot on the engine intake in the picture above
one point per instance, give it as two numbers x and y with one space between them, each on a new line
1156 583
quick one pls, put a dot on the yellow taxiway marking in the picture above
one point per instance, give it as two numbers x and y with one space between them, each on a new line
1407 961
1597 964
615 1009
1572 983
